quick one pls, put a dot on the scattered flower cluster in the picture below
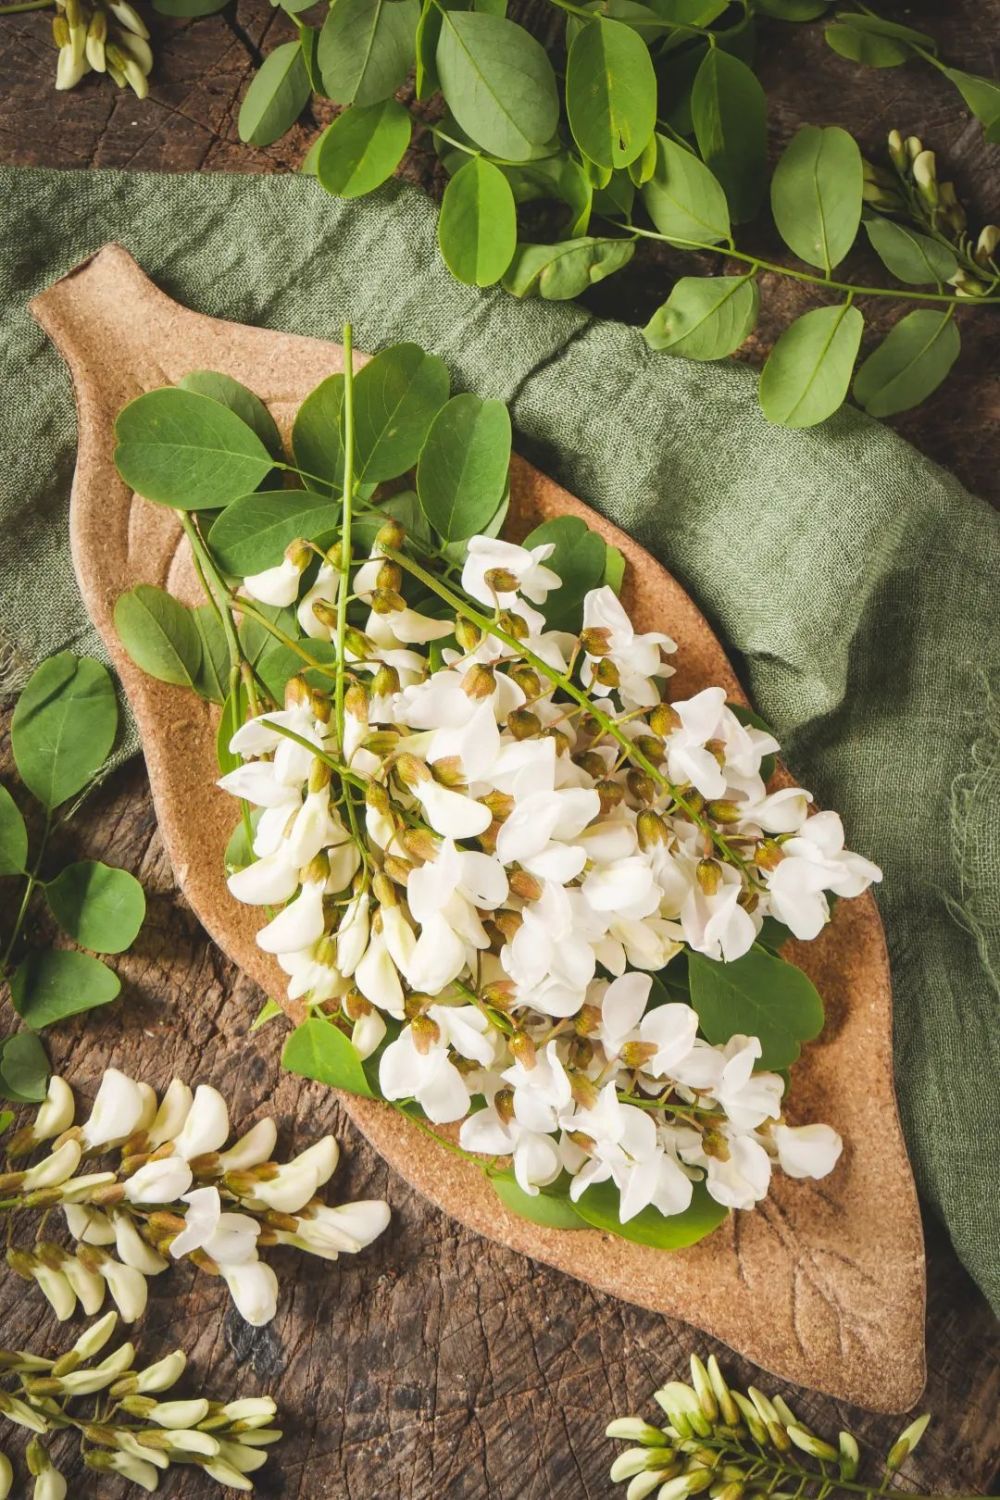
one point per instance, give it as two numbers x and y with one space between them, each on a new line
176 1191
734 1445
492 835
108 36
130 1432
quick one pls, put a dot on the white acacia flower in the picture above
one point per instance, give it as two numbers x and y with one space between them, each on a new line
117 1110
342 1230
299 924
670 1028
159 1181
743 1178
452 813
687 758
270 881
539 833
627 1149
229 1238
278 586
542 1092
55 1113
815 861
127 1287
258 783
252 1148
443 896
714 923
253 1287
534 1154
296 1181
406 627
419 1066
323 591
377 977
636 657
171 1114
54 1169
807 1150
132 1249
748 1098
206 1126
486 554
352 934
551 959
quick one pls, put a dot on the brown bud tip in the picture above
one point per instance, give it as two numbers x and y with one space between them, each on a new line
523 1049
651 746
499 994
768 855
606 673
384 890
523 724
387 601
500 804
651 830
397 869
321 705
509 923
594 764
527 680
425 1032
296 692
385 682
587 1020
514 625
391 534
358 644
641 786
563 742
723 812
467 635
419 843
325 613
611 793
581 1053
525 885
389 576
596 640
709 874
479 682
501 580
583 1089
637 1054
503 1103
448 771
410 770
298 554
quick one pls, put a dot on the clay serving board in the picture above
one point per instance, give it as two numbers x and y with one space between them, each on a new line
824 1283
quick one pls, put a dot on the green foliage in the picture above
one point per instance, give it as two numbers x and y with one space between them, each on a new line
599 1206
909 364
477 230
550 1209
248 407
366 49
580 559
160 634
705 317
99 907
610 92
816 195
316 1049
50 985
729 115
498 83
362 148
13 836
558 272
63 727
684 199
808 371
911 256
462 473
188 451
316 442
276 97
757 995
251 534
397 396
24 1069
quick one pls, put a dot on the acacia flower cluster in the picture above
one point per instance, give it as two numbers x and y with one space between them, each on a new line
176 1191
488 840
129 1430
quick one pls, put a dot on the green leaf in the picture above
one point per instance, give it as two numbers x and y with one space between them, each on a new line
13 836
238 853
316 1049
498 83
863 47
909 364
552 1210
232 717
309 37
462 473
362 148
773 934
24 1069
684 199
558 272
756 995
6 1120
428 33
248 407
600 1205
269 1011
212 681
911 257
278 93
876 26
396 398
63 726
98 906
808 371
189 8
816 195
160 634
187 451
366 49
749 716
477 228
580 559
51 984
610 92
793 10
982 95
614 569
689 12
729 113
252 532
705 317
316 441
403 506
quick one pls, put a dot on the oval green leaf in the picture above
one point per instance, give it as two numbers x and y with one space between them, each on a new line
684 199
982 95
278 93
51 984
610 92
600 1205
477 228
498 83
366 48
13 836
98 906
188 451
553 1210
909 364
63 726
252 532
317 1049
865 47
757 995
248 407
705 317
316 441
911 257
558 272
462 473
362 148
396 398
816 195
159 634
212 681
808 371
729 113
24 1069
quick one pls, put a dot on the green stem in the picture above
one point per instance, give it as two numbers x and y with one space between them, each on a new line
31 881
345 525
344 772
23 5
246 608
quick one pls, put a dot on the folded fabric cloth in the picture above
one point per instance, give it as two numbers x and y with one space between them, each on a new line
854 583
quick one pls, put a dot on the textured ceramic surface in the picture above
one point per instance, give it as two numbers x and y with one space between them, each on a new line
824 1284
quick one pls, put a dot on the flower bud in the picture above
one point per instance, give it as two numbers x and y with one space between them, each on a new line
503 1103
641 786
525 885
411 771
606 673
514 625
809 1443
986 245
527 679
467 634
906 1442
664 720
523 1049
651 830
391 535
897 151
419 843
925 177
651 746
479 682
500 580
709 876
523 724
426 1033
703 1389
850 1455
385 683
723 812
727 1406
611 793
596 640
387 601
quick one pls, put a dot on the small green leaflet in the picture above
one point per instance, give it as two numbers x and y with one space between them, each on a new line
362 148
160 634
13 836
277 95
24 1069
248 407
558 272
864 47
498 83
462 473
875 26
580 559
396 398
232 716
756 995
269 1011
705 317
551 1210
251 534
610 92
366 48
187 451
51 984
600 1206
816 195
909 364
316 1049
982 95
808 371
98 906
212 681
729 113
316 440
477 226
911 257
63 727
683 198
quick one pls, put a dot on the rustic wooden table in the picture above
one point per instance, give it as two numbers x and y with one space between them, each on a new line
437 1364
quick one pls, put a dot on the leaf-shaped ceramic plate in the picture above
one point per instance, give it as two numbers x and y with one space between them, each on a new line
824 1284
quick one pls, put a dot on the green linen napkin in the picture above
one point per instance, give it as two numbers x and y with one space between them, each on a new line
854 583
